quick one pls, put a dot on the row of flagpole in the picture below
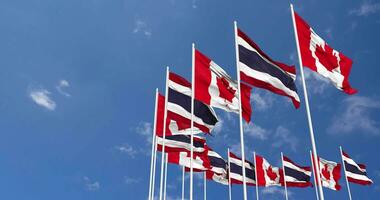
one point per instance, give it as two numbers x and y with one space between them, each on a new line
163 175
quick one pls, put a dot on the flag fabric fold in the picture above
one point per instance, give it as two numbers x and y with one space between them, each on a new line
178 143
236 171
295 175
356 173
318 56
258 69
214 87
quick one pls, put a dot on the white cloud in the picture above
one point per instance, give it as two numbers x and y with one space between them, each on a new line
142 28
41 97
127 149
129 180
366 8
256 131
62 84
91 185
315 83
145 129
283 137
262 100
356 116
218 127
275 191
194 4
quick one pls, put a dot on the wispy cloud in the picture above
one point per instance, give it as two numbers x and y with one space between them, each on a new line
283 137
275 191
366 8
194 4
130 180
145 129
356 116
91 185
127 149
256 131
42 98
62 85
316 83
262 100
141 27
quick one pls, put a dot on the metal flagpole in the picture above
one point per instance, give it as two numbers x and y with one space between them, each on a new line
204 186
183 182
154 167
166 174
345 173
192 120
307 105
315 178
164 134
257 180
152 159
229 175
240 113
283 171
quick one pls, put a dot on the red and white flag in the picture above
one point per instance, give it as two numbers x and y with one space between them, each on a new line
267 175
320 57
330 173
214 87
200 160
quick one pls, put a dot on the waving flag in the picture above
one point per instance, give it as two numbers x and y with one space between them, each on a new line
218 167
214 87
236 170
200 160
177 143
356 173
267 175
258 69
179 107
330 174
295 175
320 57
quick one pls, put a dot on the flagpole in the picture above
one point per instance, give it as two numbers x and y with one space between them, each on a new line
204 186
164 134
307 105
315 179
183 182
166 174
154 167
257 179
229 175
153 151
240 114
283 171
192 119
345 173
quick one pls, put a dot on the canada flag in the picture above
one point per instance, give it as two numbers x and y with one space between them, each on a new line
320 57
267 175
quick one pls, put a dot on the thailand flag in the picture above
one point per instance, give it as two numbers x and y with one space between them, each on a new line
258 69
218 167
356 173
177 143
214 87
295 175
318 56
179 108
267 175
236 170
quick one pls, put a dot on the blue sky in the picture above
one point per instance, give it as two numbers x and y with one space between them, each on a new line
78 78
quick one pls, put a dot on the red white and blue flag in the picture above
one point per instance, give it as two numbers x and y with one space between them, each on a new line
236 170
214 87
356 173
258 69
295 175
318 56
177 143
